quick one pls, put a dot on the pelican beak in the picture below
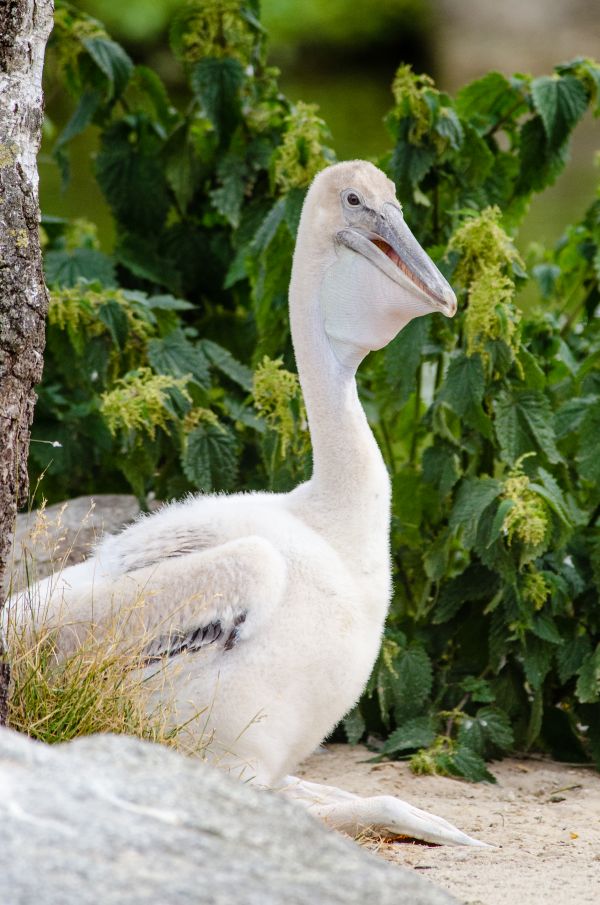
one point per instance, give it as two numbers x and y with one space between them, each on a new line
385 239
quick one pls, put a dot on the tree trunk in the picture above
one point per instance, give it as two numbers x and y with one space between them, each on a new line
24 29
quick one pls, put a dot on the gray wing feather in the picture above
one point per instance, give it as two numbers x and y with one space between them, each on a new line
194 639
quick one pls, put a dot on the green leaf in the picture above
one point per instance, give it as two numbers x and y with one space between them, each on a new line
448 126
592 361
441 466
436 556
476 161
571 655
572 576
533 374
550 491
146 81
414 733
561 102
216 83
546 275
354 726
475 583
183 169
250 12
524 423
588 683
402 358
541 162
115 320
545 628
383 683
473 498
141 257
464 385
409 164
497 639
131 175
489 101
595 564
479 689
589 459
413 678
67 268
471 765
244 414
570 415
536 715
168 303
536 413
80 119
471 734
237 269
269 226
407 503
112 60
496 527
490 546
228 197
223 361
175 355
271 278
294 200
138 466
537 660
588 72
500 186
210 457
496 726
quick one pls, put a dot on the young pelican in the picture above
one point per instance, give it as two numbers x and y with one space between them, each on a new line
268 609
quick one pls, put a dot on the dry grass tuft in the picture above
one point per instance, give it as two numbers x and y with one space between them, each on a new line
100 687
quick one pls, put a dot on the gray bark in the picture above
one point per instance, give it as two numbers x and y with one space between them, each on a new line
24 29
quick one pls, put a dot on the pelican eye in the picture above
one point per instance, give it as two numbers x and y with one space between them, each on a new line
351 198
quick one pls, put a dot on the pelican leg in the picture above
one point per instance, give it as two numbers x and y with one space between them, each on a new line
353 814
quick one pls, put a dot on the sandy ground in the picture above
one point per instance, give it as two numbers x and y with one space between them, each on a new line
543 818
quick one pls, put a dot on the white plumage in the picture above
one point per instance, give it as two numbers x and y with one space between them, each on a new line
267 608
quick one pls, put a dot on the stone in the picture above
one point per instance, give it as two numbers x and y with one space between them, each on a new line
49 539
113 819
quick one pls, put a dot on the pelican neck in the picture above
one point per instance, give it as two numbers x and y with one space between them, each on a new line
349 487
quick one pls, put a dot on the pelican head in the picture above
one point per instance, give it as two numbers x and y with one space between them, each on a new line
373 275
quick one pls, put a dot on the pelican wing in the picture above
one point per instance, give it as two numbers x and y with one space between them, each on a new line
216 598
213 598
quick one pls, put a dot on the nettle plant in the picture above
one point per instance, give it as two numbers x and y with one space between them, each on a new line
143 382
169 366
489 426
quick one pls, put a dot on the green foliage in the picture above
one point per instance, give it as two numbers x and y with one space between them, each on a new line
497 582
499 141
168 366
140 402
217 29
302 153
285 444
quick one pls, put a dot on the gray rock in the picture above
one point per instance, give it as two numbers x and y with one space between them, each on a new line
109 819
61 535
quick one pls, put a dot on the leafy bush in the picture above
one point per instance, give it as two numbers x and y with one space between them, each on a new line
488 424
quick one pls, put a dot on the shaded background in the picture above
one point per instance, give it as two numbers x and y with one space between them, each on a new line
342 55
